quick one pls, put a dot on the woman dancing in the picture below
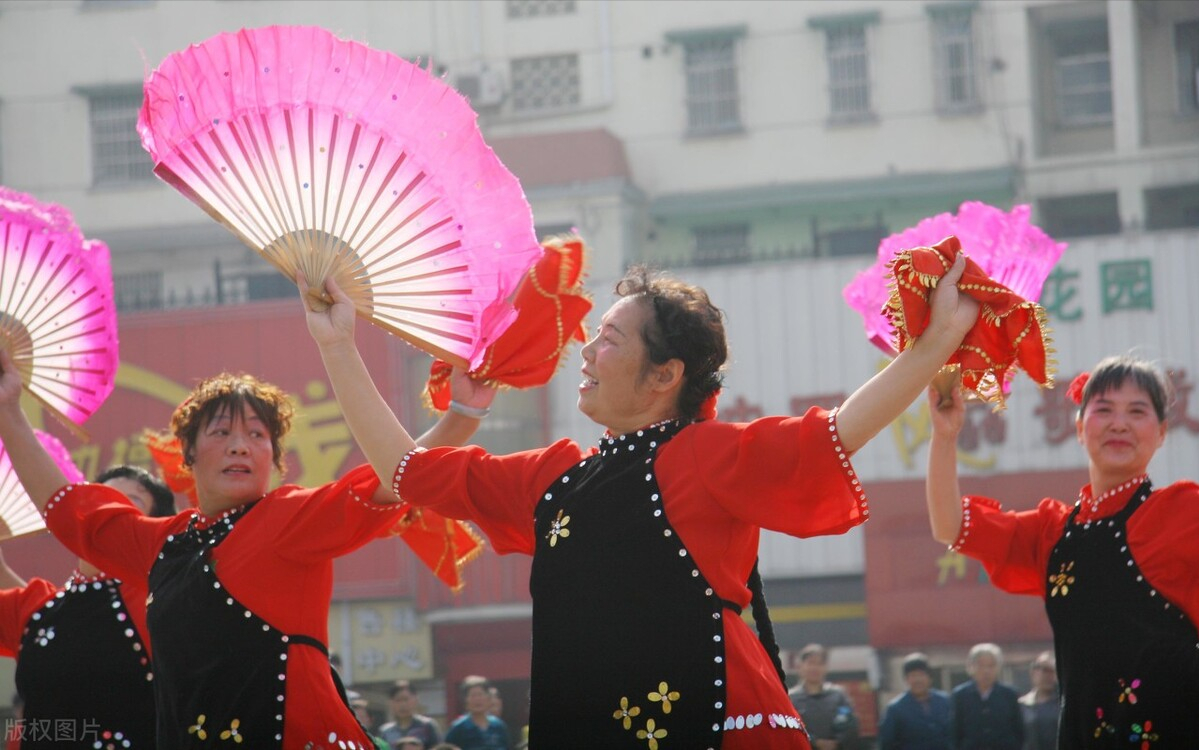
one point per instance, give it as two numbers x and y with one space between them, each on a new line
642 548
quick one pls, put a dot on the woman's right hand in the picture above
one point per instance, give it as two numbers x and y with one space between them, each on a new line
328 324
947 412
10 379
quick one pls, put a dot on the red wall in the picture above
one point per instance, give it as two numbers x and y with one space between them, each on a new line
917 595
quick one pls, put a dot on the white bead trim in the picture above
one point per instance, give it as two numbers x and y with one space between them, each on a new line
964 531
1093 504
768 720
395 479
846 465
57 497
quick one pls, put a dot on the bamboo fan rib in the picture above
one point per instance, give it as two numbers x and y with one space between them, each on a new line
57 316
336 160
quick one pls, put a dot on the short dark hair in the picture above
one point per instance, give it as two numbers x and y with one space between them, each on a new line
684 325
1112 372
914 662
813 649
474 681
232 393
400 686
162 499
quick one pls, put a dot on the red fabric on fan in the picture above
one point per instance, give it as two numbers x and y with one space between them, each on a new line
1010 332
443 544
550 306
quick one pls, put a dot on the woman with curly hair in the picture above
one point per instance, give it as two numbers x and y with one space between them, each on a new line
239 588
644 548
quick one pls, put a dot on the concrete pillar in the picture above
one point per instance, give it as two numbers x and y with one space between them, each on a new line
1127 120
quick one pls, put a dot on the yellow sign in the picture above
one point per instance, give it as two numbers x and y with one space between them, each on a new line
381 640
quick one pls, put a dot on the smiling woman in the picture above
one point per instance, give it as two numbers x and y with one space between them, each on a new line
1117 569
239 588
644 549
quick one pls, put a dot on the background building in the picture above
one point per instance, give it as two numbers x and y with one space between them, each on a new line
761 149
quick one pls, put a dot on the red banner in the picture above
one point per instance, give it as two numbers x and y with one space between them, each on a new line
920 595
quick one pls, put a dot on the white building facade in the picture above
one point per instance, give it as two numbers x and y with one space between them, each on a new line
760 148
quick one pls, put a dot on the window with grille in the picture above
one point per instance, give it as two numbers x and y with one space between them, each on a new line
954 63
1186 51
859 240
1082 73
848 72
538 8
138 291
545 231
545 82
117 154
1086 215
713 101
719 245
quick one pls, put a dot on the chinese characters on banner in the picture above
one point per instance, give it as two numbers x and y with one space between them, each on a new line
388 640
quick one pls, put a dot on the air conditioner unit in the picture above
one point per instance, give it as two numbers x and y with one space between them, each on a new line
483 86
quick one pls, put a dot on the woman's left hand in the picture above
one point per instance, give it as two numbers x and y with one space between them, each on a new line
470 392
10 379
328 324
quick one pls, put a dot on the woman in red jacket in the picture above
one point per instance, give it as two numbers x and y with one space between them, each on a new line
642 549
1118 569
239 588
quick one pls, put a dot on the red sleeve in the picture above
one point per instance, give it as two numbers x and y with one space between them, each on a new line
496 492
1161 536
16 607
1013 546
332 520
100 525
787 474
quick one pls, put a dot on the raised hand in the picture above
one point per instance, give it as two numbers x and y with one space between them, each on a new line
952 313
327 323
470 392
10 379
947 410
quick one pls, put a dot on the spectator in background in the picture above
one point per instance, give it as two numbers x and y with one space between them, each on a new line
823 706
477 729
986 713
406 722
921 718
1041 705
361 708
497 702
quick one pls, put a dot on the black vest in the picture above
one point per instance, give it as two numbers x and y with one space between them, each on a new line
628 638
1128 660
84 672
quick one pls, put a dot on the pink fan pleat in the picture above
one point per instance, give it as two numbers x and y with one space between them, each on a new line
18 514
57 313
1008 248
295 140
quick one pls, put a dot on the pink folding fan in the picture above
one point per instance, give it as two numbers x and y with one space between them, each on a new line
1004 244
57 317
1007 256
18 514
337 160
